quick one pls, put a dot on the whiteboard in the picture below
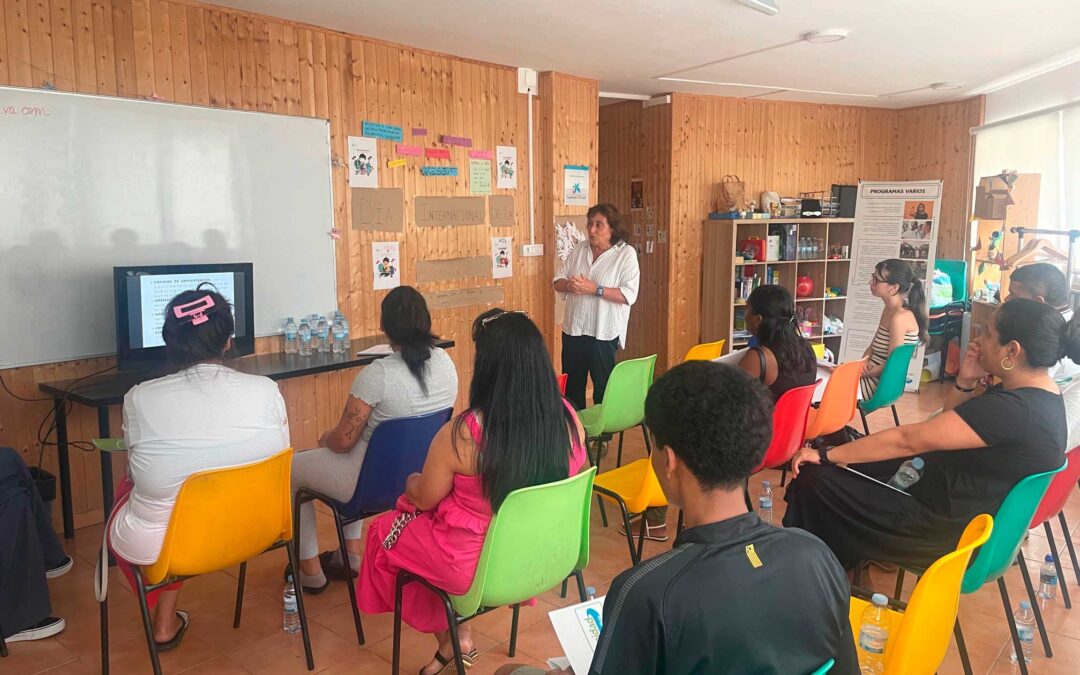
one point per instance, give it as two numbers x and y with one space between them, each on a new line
89 182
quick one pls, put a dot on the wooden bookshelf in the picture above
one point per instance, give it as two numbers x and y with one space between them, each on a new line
722 310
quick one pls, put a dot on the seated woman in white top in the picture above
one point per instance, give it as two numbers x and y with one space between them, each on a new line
204 416
417 378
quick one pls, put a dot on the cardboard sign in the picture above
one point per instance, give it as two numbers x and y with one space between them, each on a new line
432 271
449 211
465 297
378 209
501 210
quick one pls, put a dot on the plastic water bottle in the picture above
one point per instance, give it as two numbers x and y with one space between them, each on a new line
291 622
908 474
874 635
1025 628
322 333
765 502
1048 581
304 333
340 346
292 345
590 593
345 322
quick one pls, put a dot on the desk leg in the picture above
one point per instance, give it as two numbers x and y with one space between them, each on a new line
106 464
60 415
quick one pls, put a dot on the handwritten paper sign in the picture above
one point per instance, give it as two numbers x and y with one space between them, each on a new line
457 140
438 171
414 150
501 210
449 211
387 132
480 176
479 154
378 209
437 153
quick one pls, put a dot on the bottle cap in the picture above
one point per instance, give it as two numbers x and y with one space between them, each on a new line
766 483
1049 558
879 599
1024 604
590 590
918 463
289 578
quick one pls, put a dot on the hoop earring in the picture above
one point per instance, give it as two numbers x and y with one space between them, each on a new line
1012 364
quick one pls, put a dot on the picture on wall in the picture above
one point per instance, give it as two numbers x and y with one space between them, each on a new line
363 162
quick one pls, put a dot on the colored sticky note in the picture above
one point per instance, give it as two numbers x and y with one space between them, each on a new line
419 131
394 163
438 170
437 153
409 150
387 132
457 140
480 154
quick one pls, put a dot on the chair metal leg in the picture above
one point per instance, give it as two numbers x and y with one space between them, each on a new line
641 537
629 533
459 661
562 594
3 644
1063 583
865 426
678 526
1012 626
899 583
103 620
148 626
1034 604
395 666
783 474
896 418
618 457
239 594
648 442
514 631
965 660
580 585
603 512
348 577
746 496
294 567
1069 544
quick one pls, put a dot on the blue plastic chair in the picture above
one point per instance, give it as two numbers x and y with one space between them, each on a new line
397 449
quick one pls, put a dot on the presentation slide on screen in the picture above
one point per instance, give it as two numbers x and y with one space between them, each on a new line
156 290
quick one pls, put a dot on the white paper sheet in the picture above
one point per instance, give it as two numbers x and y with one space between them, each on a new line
377 350
385 264
363 162
578 629
502 257
506 167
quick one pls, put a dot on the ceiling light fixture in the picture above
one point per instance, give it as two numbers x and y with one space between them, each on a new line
824 37
764 6
936 86
765 86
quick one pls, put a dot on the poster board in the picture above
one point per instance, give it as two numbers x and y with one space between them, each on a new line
893 219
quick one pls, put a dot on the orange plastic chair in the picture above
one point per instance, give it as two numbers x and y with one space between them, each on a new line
706 351
635 489
221 518
839 403
919 637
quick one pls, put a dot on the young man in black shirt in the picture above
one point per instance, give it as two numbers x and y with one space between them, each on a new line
734 595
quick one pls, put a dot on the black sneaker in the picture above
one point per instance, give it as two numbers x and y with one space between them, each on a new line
47 627
61 569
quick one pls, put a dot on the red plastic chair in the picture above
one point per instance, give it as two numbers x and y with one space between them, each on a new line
561 379
789 426
1052 504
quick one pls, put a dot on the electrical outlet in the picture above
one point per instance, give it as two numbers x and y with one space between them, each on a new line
532 250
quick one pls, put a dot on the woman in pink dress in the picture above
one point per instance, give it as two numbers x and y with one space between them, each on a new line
517 432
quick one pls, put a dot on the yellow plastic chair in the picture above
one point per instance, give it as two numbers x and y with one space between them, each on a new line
706 351
920 634
222 517
634 488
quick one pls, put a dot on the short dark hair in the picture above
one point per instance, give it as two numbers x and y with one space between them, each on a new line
188 343
614 221
1043 279
715 418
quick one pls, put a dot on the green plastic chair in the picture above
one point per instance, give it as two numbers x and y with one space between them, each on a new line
891 385
998 554
538 538
825 668
624 404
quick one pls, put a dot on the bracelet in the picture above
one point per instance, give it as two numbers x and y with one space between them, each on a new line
966 390
823 453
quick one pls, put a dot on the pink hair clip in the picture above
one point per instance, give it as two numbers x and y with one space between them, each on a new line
195 310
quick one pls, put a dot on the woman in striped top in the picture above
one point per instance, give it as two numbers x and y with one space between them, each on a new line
902 322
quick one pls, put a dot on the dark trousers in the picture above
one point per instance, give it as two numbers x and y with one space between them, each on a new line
28 547
584 356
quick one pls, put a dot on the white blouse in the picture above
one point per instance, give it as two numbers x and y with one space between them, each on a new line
616 267
204 417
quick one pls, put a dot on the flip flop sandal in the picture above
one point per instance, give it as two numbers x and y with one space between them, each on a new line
448 664
310 590
332 569
174 642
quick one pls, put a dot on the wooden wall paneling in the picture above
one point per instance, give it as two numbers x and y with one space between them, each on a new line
40 24
18 43
63 44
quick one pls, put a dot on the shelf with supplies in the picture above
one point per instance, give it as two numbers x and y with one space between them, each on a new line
808 256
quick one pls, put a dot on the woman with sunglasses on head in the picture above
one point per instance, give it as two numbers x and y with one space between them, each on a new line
203 416
517 432
974 452
903 322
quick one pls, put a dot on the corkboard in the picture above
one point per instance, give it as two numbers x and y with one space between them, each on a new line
378 209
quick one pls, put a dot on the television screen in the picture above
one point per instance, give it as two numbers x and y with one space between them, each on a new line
142 293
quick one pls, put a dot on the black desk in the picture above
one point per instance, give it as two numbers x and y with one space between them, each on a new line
107 390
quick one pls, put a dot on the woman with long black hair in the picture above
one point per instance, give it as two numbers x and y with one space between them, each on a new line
903 321
782 358
417 378
517 432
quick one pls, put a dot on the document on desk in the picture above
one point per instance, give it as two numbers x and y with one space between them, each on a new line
578 629
377 350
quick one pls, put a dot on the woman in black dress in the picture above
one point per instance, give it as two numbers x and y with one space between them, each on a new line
975 451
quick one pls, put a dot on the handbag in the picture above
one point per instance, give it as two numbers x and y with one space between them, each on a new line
408 513
732 195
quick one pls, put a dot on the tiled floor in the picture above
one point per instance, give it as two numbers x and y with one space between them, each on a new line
212 646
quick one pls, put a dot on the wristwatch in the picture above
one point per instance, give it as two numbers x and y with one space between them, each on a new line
823 453
599 291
